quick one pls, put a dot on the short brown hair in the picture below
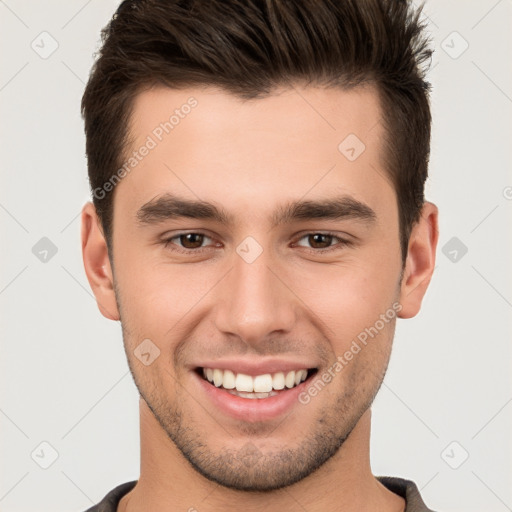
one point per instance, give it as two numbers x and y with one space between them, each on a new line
249 48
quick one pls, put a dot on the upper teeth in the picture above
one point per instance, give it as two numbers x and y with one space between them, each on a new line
258 384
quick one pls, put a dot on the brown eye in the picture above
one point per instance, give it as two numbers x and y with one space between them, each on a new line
320 243
183 242
319 240
191 240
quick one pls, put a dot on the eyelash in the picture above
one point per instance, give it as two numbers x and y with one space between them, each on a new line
342 243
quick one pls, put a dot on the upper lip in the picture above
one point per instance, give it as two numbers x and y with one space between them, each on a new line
253 367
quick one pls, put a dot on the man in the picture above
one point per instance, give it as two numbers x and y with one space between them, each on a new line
258 225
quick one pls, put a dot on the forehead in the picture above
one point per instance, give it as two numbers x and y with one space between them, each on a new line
286 113
205 143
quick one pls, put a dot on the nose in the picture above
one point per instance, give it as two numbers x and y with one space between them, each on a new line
255 300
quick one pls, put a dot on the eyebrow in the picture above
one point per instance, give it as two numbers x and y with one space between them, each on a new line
170 206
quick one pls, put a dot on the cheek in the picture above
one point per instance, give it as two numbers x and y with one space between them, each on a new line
350 298
156 296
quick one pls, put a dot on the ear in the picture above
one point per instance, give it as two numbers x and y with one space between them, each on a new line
420 261
97 263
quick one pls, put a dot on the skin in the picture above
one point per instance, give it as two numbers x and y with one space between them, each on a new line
249 157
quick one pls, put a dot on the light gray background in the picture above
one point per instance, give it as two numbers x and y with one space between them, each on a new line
64 376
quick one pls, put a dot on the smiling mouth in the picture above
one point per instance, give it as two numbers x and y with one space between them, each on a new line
258 386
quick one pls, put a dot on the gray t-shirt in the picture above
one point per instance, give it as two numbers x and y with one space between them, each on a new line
404 488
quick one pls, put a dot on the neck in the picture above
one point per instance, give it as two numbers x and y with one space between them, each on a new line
169 483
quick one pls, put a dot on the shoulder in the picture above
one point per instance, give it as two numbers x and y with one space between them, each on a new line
111 500
408 490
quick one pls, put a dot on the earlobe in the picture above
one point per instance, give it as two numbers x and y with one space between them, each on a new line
420 262
97 264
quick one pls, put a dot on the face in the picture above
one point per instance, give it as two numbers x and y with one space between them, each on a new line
292 256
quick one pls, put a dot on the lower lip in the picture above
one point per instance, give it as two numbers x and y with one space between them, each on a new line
252 409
